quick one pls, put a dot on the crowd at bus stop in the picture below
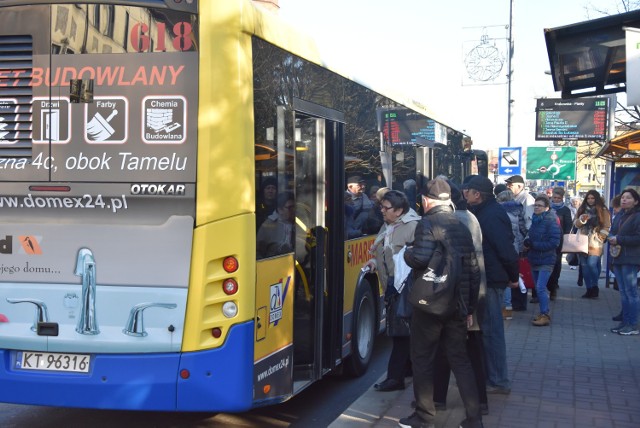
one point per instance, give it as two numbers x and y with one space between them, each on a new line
512 231
505 236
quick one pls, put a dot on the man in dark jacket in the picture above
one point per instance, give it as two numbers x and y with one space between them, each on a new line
450 331
501 267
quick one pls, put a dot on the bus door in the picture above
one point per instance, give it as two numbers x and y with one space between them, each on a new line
314 304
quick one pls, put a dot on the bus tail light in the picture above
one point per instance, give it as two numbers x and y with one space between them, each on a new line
185 374
216 332
230 286
230 264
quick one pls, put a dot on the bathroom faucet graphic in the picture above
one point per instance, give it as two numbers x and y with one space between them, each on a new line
135 323
86 269
41 314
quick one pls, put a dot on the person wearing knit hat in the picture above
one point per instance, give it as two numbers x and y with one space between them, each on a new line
501 264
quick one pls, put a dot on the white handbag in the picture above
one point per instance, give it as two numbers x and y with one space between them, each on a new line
575 243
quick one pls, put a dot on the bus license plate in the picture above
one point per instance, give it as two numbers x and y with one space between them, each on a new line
78 363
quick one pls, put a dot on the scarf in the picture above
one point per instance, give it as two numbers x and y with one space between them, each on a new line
557 205
538 218
593 216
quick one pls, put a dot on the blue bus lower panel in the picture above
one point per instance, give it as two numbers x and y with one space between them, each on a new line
219 380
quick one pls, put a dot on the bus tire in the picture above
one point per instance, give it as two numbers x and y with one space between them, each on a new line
363 331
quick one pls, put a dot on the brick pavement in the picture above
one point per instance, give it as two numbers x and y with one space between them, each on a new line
574 373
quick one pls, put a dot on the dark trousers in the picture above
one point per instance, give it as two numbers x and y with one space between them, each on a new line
428 333
518 300
443 370
555 274
400 359
580 278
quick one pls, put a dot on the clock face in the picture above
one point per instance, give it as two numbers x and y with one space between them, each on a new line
484 63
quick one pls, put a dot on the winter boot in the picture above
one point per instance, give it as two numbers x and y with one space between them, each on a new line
588 294
541 320
595 292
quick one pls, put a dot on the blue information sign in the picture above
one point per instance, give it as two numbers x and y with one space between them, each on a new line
510 160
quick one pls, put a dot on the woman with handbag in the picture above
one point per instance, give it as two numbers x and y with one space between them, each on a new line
541 244
624 248
593 219
398 229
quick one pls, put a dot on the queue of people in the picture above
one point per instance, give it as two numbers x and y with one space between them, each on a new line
477 219
493 224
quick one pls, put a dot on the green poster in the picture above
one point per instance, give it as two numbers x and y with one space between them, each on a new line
551 163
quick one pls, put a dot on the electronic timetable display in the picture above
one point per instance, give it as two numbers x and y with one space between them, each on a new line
572 119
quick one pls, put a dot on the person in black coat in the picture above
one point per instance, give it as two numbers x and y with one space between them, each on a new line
502 269
428 331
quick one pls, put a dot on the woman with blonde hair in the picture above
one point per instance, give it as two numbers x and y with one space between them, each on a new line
593 219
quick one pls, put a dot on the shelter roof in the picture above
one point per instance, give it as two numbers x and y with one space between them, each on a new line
588 58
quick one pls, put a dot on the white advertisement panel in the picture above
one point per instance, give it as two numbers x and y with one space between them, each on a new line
633 66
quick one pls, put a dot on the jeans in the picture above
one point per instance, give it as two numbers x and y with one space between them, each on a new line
626 275
590 269
495 347
541 278
507 297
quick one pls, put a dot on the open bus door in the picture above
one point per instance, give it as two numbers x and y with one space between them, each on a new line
318 296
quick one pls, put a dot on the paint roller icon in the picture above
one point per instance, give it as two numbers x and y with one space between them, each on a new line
99 129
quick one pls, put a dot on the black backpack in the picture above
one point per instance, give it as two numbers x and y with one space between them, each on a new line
436 290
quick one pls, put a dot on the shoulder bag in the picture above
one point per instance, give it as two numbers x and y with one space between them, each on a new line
575 243
615 250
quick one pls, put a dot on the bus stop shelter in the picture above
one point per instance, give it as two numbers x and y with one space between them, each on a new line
589 59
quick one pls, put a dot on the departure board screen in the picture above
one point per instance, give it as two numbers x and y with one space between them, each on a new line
405 127
573 119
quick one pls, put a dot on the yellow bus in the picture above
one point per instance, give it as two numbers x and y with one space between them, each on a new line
172 199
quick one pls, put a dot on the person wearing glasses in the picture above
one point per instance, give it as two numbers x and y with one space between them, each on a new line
397 231
541 245
276 234
566 223
593 219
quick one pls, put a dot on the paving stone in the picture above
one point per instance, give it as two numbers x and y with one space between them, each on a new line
574 373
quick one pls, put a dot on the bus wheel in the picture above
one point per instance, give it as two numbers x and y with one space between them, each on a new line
363 333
